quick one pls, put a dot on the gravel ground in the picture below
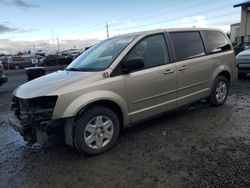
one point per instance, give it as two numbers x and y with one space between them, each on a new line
197 146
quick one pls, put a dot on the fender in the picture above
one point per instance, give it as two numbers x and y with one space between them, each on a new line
219 69
80 102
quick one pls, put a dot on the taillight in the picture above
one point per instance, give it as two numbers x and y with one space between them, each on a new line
1 68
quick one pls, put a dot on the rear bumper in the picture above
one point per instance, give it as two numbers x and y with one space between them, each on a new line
244 68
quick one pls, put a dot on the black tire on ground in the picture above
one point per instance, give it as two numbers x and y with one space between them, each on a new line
213 101
84 119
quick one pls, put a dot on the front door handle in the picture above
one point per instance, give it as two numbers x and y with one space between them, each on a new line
169 71
183 68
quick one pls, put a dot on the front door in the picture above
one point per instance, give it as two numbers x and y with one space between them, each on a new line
153 89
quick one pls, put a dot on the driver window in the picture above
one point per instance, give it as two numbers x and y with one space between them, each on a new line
152 50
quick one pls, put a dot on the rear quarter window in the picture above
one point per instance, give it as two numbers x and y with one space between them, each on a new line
187 45
215 42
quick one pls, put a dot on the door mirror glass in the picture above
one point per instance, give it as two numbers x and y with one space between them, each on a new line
132 64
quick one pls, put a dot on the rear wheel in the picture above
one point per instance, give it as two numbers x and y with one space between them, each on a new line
219 91
97 130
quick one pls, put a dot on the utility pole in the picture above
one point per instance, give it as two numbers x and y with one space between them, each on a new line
58 48
107 28
53 40
34 48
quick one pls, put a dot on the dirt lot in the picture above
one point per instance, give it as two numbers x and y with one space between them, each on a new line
198 146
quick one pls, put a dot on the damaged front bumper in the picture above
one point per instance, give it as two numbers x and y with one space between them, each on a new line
15 123
32 118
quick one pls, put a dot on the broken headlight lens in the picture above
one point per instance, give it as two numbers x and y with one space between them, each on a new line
38 104
47 102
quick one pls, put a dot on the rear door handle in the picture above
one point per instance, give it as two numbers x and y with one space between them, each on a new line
183 68
169 71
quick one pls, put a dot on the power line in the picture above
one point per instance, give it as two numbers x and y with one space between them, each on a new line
201 12
101 25
150 14
146 12
189 22
172 19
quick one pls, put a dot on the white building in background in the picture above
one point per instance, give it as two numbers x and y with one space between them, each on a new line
245 21
235 33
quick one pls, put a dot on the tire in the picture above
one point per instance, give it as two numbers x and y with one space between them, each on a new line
91 126
220 84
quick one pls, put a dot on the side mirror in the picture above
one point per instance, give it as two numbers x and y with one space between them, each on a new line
132 64
226 47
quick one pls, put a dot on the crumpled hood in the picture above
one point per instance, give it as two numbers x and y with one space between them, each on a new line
49 83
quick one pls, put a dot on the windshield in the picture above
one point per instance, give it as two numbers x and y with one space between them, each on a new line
100 56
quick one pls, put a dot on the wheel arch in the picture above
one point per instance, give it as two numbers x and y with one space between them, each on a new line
226 74
102 98
105 103
221 71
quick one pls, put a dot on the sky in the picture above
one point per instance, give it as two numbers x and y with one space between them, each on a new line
39 24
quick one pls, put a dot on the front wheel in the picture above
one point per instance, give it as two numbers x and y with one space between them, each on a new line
219 91
97 130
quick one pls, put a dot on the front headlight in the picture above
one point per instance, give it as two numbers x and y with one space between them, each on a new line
47 102
42 106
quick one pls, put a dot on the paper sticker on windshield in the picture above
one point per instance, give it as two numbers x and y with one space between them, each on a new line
124 41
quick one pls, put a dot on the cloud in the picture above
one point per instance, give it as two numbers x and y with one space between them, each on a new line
115 22
13 46
7 29
19 3
200 21
197 21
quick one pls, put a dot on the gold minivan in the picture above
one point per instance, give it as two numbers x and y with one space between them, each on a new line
121 81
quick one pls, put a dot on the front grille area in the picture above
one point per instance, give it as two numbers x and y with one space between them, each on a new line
39 108
32 114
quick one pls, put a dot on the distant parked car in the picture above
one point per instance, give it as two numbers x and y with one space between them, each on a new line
243 62
35 59
3 77
18 62
74 55
52 60
4 60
